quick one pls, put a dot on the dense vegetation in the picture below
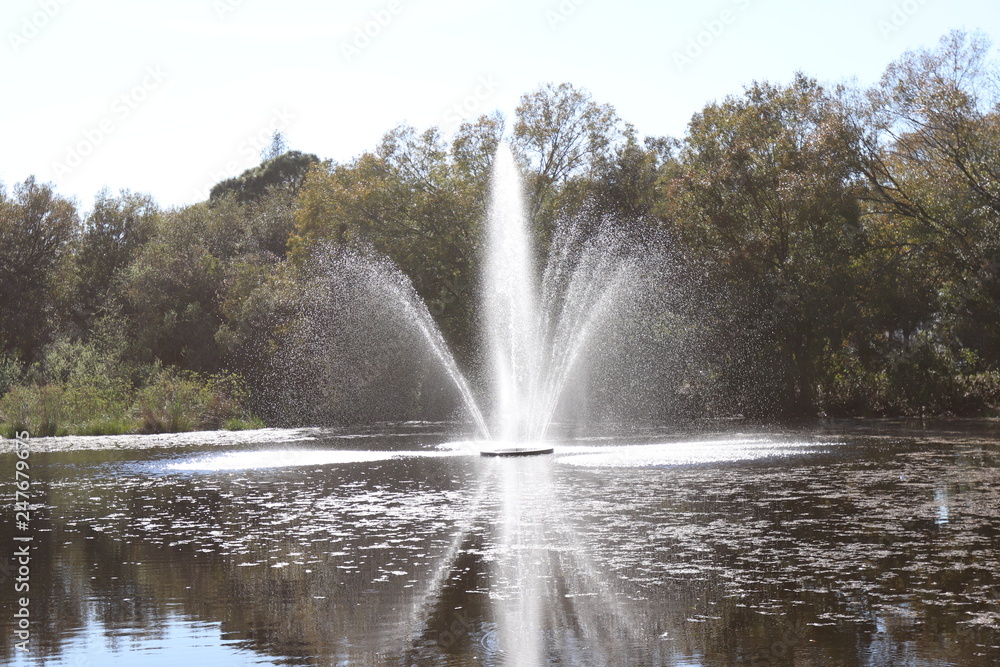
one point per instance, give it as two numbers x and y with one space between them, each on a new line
850 239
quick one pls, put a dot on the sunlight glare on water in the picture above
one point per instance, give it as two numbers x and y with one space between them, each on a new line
683 453
286 458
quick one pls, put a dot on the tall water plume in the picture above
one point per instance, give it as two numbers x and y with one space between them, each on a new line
510 301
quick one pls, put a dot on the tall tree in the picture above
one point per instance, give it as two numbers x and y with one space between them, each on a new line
112 235
286 170
414 202
36 230
930 134
562 133
766 194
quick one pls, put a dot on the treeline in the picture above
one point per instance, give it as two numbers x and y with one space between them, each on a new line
849 239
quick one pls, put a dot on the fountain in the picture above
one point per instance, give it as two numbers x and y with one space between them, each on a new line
537 329
511 306
544 331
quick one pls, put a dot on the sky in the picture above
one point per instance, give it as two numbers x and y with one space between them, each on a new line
169 98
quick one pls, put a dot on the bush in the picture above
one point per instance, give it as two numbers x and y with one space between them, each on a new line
982 389
62 409
73 394
183 401
243 424
173 402
36 409
11 371
928 377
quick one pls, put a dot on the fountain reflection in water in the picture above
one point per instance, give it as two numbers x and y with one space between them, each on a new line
536 331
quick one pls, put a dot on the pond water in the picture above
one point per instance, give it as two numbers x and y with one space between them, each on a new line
835 546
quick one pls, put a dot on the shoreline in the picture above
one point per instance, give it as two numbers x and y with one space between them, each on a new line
75 443
986 428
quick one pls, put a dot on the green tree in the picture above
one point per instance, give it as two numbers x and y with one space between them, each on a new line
113 233
630 183
561 134
286 170
37 230
930 134
767 196
167 298
415 202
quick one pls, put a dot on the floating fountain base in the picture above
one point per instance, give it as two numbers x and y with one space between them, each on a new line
516 451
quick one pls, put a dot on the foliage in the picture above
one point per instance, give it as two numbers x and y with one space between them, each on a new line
929 135
61 409
412 201
563 137
765 194
11 372
37 228
846 244
242 424
282 171
112 235
172 403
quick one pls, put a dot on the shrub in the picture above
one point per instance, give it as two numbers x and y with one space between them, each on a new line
62 409
173 402
981 389
11 371
183 401
38 409
243 424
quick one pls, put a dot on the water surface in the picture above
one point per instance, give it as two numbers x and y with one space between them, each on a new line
400 546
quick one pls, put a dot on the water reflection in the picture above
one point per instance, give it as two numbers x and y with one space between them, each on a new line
740 550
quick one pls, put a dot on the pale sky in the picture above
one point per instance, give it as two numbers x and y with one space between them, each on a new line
169 98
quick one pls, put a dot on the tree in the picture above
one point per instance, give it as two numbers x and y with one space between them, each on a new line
930 134
766 195
37 228
628 184
561 133
414 202
277 147
286 170
112 235
474 146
